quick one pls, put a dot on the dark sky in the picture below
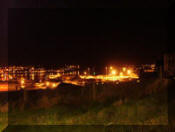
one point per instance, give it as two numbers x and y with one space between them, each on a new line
88 37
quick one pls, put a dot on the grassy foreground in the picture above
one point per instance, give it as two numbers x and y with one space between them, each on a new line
134 108
119 108
3 120
148 111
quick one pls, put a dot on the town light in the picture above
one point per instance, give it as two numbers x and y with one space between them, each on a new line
124 69
113 72
54 85
22 81
47 84
111 67
54 76
10 77
85 73
129 72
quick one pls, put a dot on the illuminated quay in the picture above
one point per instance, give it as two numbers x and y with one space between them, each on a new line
18 77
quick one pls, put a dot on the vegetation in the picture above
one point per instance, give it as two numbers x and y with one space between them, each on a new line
131 103
148 111
3 111
3 120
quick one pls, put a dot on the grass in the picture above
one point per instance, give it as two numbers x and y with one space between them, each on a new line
137 109
147 111
3 120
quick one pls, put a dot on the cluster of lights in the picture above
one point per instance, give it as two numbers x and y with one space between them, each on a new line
47 84
51 84
124 70
113 75
10 73
54 76
22 83
4 87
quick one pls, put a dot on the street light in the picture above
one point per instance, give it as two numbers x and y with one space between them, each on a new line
121 73
113 72
47 84
124 69
22 83
129 72
111 67
54 85
85 73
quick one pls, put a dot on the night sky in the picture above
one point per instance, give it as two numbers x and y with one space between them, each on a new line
86 37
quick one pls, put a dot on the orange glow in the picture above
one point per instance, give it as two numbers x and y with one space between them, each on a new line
121 73
22 83
4 87
33 77
75 82
40 85
54 76
124 69
129 72
87 77
85 73
111 77
47 84
113 72
10 77
54 85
